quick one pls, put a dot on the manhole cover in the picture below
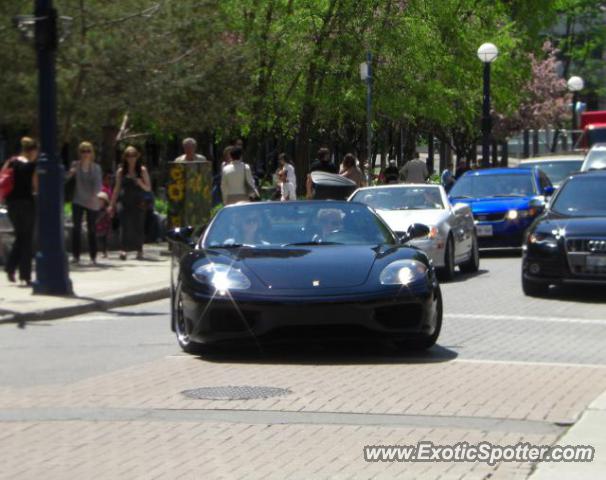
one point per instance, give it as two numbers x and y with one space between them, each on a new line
230 392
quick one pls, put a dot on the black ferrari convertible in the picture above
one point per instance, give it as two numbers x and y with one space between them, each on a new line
317 270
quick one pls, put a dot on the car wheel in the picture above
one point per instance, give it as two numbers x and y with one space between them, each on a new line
427 341
181 326
532 288
473 264
447 272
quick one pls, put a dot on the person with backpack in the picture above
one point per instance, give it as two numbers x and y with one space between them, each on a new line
20 186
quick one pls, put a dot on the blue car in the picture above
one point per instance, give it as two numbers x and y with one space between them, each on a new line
504 202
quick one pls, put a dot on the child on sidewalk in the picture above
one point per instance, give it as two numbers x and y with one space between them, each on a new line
104 223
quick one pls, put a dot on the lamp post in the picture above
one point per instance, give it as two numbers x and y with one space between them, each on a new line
575 85
487 53
366 76
52 276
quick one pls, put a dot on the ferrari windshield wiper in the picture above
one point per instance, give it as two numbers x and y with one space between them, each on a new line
233 245
311 242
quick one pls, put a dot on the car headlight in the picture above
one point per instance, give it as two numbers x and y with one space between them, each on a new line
543 239
222 277
403 272
515 214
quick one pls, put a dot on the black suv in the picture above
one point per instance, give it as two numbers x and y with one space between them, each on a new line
567 243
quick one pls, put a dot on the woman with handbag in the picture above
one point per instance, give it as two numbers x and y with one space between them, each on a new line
21 206
132 181
87 178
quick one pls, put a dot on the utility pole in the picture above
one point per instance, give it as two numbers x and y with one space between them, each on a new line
366 75
52 276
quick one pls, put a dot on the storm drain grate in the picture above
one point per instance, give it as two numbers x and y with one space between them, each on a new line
231 392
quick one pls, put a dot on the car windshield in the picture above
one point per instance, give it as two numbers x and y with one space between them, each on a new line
401 198
556 171
595 160
297 223
495 185
596 135
582 197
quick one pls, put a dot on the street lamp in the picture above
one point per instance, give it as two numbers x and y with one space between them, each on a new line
487 53
52 277
366 76
575 85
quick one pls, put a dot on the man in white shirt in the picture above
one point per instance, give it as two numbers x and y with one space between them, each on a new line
414 171
237 183
287 189
189 148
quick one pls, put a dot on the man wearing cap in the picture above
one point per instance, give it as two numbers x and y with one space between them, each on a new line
391 174
189 147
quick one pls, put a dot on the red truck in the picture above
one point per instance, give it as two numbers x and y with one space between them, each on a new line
593 125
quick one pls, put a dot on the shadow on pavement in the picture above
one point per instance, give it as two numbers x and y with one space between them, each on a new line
501 253
463 277
577 293
326 353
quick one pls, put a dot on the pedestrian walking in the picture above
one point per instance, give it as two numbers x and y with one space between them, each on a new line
21 205
350 169
414 171
189 152
321 164
287 189
447 178
87 185
132 181
462 167
286 165
237 183
391 174
104 223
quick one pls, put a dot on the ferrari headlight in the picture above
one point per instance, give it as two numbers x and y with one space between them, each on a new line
222 277
403 272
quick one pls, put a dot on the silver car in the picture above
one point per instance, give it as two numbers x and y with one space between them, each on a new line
452 238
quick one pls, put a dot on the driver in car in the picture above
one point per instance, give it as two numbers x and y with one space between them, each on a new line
328 221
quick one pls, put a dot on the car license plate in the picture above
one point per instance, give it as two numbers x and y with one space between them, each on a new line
596 261
484 230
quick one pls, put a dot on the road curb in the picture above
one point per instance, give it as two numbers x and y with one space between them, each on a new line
92 305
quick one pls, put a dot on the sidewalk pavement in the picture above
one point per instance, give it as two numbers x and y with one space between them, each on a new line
109 284
589 431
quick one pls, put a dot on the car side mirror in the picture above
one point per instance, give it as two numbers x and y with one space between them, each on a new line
416 230
181 235
548 191
460 207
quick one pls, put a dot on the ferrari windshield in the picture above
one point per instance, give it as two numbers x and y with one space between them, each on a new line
496 185
401 198
296 224
582 197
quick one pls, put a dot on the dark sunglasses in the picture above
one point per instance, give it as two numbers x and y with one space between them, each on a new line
86 151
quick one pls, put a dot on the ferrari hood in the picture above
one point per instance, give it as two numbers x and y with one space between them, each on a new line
309 268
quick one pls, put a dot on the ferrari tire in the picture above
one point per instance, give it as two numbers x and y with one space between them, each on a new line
473 264
425 342
447 272
181 326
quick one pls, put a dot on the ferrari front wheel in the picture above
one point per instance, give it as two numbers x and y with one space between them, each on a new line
182 326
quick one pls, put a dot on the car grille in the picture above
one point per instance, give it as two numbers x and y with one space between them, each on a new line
587 256
489 217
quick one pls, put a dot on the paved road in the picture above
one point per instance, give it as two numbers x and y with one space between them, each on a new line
101 395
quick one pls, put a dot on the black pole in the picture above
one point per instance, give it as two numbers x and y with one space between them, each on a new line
486 120
52 277
575 99
369 118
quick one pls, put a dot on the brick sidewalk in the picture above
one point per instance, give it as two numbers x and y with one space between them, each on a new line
111 282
